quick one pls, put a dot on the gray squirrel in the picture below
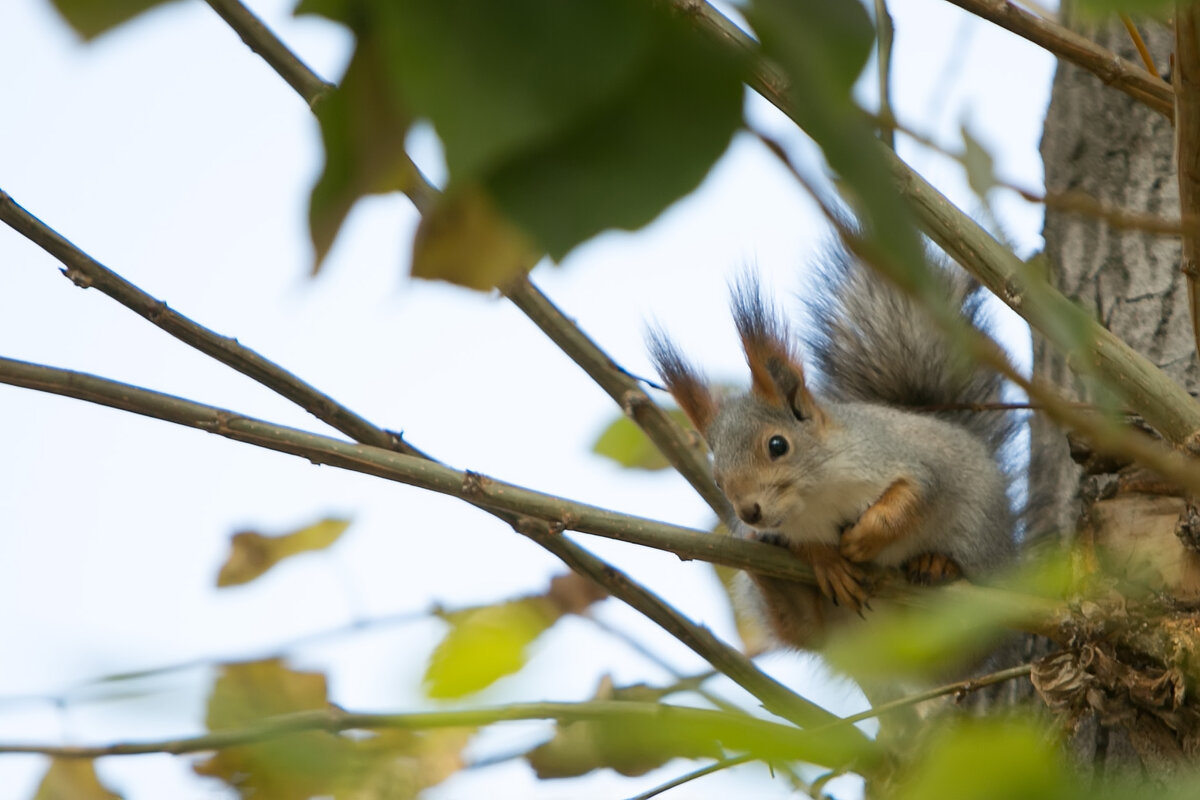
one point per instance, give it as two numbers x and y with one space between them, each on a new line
879 462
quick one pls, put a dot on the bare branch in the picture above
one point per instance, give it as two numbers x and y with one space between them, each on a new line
259 38
684 451
1115 71
764 738
88 273
539 516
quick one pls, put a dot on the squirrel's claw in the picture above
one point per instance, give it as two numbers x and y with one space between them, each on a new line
931 569
837 578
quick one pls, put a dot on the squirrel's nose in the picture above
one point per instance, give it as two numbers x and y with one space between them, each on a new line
751 514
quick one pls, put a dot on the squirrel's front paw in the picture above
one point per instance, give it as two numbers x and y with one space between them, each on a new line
931 569
838 579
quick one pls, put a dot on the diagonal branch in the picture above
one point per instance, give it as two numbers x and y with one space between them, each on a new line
1068 45
1149 391
684 452
539 516
258 37
88 273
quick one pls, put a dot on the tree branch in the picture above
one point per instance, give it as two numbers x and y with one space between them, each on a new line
766 739
1150 392
1068 45
539 516
259 38
88 273
681 450
684 451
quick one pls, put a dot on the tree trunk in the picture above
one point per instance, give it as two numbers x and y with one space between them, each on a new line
1099 141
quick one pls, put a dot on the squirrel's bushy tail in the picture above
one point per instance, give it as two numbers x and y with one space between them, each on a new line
873 343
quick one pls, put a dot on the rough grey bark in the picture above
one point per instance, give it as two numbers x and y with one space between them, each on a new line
1104 143
1100 141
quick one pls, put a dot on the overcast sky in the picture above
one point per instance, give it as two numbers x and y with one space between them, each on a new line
173 155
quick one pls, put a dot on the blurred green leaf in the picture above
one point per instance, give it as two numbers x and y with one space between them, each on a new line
633 154
72 779
363 126
625 443
90 18
898 641
253 553
988 760
564 119
500 79
486 643
822 46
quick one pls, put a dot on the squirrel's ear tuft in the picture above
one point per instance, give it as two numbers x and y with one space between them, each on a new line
685 383
776 374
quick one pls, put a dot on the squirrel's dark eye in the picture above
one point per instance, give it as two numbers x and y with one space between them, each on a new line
777 446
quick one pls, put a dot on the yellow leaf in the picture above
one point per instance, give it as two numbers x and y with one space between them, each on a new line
72 779
286 768
464 240
254 553
486 643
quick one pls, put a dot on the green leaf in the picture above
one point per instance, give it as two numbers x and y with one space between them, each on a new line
633 155
822 45
253 553
557 119
497 79
363 126
897 641
90 18
628 445
486 643
73 779
986 760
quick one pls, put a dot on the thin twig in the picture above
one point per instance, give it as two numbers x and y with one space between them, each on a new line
527 510
88 273
1140 44
1160 400
716 766
1104 434
69 695
516 503
683 451
957 688
738 731
1115 71
259 38
1186 76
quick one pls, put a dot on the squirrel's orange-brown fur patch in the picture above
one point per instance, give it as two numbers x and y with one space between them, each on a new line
896 514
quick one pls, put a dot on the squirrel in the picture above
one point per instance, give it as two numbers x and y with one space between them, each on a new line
885 463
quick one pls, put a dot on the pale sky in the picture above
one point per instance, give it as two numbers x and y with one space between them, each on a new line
173 155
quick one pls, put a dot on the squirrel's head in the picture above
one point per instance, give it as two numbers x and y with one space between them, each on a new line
753 438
